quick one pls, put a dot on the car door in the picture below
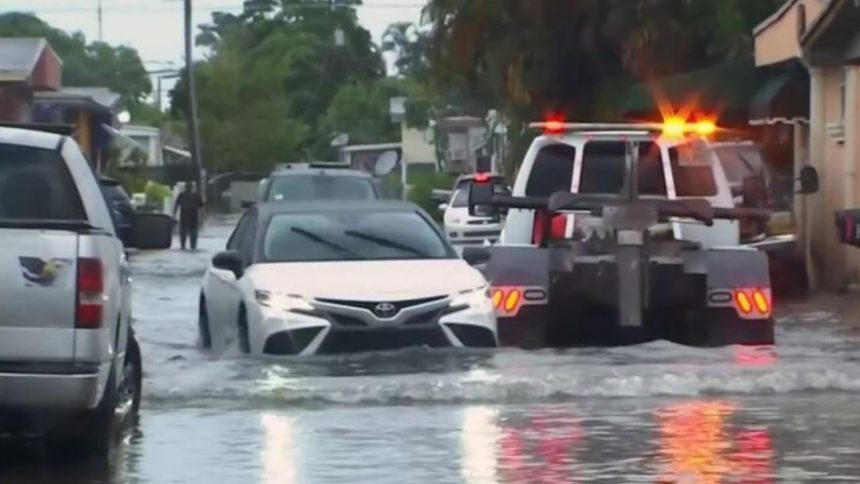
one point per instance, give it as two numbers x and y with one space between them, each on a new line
220 288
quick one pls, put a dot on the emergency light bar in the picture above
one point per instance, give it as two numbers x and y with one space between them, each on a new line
673 127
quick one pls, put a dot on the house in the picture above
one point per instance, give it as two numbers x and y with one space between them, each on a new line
27 66
89 109
463 140
831 50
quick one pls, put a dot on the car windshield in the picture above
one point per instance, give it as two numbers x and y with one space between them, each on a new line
36 185
305 188
351 235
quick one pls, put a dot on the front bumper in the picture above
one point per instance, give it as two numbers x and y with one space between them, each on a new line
324 331
473 234
52 386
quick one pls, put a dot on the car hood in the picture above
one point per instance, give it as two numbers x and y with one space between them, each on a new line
367 280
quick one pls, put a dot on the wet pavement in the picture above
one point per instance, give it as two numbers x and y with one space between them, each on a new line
657 412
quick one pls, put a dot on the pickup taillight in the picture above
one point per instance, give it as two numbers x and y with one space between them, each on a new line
90 293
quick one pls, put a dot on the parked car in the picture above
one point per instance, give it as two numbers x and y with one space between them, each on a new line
317 181
68 354
331 277
120 205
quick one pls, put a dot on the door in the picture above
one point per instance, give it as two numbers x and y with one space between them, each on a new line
222 287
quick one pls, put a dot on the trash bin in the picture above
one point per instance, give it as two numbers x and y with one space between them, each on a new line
848 227
153 231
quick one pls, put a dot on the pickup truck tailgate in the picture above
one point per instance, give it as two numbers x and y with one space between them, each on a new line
37 294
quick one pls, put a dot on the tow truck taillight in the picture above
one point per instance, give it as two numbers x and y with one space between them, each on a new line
752 302
90 293
507 300
482 177
557 227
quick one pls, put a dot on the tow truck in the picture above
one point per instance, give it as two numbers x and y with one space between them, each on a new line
622 233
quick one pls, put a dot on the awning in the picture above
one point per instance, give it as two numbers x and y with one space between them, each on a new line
783 97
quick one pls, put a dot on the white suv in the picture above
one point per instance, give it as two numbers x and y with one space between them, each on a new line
68 356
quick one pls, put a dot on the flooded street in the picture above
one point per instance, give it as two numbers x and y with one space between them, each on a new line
652 413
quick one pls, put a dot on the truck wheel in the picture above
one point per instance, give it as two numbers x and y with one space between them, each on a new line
129 392
244 339
203 325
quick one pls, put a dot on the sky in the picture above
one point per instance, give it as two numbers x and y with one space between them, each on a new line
154 27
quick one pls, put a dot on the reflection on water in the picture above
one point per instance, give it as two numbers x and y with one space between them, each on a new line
697 444
479 437
280 453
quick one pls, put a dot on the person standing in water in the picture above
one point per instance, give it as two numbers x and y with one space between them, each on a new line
189 205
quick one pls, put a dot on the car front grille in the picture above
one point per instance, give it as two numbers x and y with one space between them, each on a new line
371 305
351 340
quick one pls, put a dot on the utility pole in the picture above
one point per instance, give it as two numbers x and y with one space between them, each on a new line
193 131
99 10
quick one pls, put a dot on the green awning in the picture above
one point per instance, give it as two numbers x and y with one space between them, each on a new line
783 97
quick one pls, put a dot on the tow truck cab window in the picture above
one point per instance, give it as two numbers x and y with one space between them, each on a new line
552 170
695 177
35 184
604 167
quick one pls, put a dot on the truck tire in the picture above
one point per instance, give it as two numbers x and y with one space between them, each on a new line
203 325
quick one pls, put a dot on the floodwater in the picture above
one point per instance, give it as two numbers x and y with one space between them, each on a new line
658 412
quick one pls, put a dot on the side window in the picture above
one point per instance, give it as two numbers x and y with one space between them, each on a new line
604 167
248 238
652 180
236 237
691 180
552 171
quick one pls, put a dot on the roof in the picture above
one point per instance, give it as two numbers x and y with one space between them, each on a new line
99 97
267 209
371 147
19 56
307 170
30 137
831 31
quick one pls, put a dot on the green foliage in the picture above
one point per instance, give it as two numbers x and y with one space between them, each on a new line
278 87
422 186
85 64
156 193
131 179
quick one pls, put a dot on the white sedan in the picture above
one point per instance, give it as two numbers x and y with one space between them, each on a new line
332 277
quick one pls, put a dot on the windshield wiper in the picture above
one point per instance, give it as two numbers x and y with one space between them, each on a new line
387 243
331 245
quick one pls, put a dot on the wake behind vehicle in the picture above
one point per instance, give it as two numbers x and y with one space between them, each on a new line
619 233
333 277
69 360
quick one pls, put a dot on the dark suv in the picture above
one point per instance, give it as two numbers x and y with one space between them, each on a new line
309 182
120 205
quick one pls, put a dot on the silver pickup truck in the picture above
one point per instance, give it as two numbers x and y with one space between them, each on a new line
69 363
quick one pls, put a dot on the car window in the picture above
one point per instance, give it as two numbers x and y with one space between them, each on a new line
461 196
247 239
604 167
35 184
552 170
740 161
238 233
352 235
303 188
693 177
652 180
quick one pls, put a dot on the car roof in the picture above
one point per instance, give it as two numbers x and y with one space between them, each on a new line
30 137
306 170
268 209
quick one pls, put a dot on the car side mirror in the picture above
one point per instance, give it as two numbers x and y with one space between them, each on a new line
754 191
443 206
809 182
229 261
475 256
149 231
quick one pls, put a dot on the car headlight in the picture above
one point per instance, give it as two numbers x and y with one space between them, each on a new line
283 302
474 298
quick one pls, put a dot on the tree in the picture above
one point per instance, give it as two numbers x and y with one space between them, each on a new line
86 64
277 86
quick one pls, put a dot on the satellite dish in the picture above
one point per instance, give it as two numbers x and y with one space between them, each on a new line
340 140
386 163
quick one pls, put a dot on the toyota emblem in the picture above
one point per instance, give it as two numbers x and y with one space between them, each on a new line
385 310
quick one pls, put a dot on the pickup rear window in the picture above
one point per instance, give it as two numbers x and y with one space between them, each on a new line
36 185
